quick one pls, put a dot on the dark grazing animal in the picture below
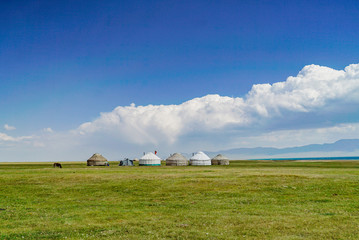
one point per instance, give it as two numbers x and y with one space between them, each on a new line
57 165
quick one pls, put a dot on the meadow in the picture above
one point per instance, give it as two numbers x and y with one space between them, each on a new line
246 200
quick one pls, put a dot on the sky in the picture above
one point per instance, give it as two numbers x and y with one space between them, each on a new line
125 77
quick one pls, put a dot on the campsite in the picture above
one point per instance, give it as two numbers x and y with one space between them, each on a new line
180 120
244 200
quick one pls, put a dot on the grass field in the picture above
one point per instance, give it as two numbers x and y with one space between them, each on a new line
246 200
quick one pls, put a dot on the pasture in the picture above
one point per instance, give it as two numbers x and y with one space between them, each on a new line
246 200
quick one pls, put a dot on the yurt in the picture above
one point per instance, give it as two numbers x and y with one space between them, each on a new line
150 159
200 159
220 160
176 159
97 160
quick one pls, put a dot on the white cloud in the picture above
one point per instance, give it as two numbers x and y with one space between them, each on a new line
148 123
8 127
6 138
48 130
311 91
312 88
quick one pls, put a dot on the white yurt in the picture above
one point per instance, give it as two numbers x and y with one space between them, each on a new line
200 159
150 159
220 160
176 159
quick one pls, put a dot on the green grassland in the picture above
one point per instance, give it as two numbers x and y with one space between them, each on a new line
246 200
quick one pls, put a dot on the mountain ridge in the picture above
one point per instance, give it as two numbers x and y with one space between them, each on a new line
345 146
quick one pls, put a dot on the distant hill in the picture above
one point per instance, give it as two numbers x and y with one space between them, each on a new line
344 147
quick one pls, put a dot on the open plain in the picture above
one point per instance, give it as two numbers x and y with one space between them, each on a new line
245 200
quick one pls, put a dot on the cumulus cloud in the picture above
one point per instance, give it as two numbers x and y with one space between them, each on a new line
147 123
8 127
314 88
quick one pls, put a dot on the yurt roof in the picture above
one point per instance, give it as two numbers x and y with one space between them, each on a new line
97 157
176 156
220 157
150 156
200 156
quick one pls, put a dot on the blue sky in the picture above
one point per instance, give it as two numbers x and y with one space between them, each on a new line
62 63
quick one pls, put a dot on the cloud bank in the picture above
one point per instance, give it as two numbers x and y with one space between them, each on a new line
315 89
318 105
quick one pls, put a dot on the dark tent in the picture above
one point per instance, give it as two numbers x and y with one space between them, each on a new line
126 162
